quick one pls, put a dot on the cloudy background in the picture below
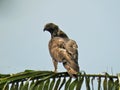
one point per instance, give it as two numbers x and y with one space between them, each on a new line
93 24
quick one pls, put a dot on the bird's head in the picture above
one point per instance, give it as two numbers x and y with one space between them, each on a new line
54 30
51 27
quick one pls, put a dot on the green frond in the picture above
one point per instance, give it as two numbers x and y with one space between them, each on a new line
48 80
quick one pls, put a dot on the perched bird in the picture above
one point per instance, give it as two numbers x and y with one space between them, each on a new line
62 49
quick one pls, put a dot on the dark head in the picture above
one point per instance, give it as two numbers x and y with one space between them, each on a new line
51 27
54 30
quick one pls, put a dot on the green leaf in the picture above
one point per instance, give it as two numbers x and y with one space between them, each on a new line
99 83
32 85
57 84
40 85
93 78
73 84
116 85
13 86
105 84
87 81
63 82
52 84
119 80
80 82
21 85
44 79
25 86
16 86
47 80
46 85
4 75
68 83
110 84
6 87
2 86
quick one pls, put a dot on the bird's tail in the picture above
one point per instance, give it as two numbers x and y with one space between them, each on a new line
71 71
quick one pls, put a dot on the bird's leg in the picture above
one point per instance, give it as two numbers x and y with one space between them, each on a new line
55 65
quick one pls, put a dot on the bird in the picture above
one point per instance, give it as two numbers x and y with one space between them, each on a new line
62 49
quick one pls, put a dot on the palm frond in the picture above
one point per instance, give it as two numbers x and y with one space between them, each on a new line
48 80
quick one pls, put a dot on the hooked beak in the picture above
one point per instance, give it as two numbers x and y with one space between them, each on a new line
44 29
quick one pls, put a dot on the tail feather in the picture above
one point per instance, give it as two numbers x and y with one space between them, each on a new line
72 72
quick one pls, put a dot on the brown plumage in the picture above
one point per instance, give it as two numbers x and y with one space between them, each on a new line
62 49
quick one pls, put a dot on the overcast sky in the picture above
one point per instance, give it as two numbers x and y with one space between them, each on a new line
93 24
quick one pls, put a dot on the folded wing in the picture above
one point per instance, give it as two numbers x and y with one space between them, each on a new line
65 50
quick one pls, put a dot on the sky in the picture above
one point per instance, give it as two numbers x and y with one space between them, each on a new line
93 24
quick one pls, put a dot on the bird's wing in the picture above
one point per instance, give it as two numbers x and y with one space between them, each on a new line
65 50
56 48
71 48
72 56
